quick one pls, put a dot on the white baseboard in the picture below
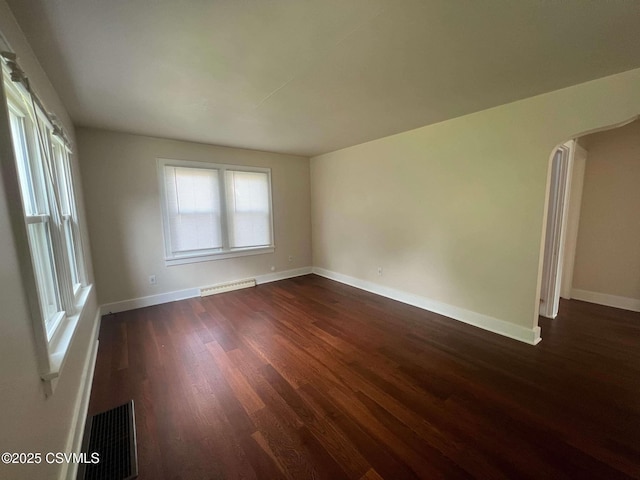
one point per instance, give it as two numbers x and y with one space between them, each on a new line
625 303
495 325
81 407
517 332
149 301
161 298
274 277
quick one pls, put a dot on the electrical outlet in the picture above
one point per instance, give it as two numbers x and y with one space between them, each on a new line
153 280
273 269
379 270
290 258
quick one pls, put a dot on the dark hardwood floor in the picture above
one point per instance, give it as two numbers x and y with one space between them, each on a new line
308 378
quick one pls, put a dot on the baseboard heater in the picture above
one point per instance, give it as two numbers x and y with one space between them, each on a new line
227 287
112 435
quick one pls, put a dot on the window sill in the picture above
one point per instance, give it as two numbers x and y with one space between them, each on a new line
61 341
217 256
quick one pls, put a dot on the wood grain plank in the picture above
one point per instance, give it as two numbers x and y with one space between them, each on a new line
309 378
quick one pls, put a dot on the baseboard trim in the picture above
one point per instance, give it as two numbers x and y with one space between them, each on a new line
274 277
625 303
501 327
495 325
149 301
167 297
74 442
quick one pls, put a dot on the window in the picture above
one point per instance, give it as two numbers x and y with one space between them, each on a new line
35 201
54 255
213 211
69 214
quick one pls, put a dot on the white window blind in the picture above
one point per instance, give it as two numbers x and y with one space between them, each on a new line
215 211
248 209
193 201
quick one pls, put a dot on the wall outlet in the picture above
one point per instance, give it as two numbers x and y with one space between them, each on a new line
290 258
153 280
379 270
273 269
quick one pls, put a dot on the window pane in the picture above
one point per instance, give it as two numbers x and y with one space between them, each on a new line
71 249
24 171
193 201
37 165
248 206
40 243
62 177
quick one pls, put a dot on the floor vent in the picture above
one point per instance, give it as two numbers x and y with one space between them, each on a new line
112 435
227 287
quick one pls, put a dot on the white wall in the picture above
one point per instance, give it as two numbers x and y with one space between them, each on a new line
608 247
454 212
29 422
123 204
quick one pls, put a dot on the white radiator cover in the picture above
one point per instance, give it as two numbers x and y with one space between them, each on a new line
227 287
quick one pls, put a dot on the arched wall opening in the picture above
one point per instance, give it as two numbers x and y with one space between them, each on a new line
563 202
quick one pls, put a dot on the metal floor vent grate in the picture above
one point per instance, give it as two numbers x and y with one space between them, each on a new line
112 434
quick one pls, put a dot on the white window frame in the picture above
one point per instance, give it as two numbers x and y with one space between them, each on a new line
53 335
41 214
70 222
172 258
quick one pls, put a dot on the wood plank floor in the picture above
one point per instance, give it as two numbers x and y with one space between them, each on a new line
308 378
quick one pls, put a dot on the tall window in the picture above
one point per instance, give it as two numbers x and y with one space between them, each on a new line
35 201
46 187
214 211
68 213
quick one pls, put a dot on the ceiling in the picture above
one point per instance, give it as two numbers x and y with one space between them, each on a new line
313 76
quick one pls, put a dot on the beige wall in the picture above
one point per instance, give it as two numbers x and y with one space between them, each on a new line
608 248
29 422
454 211
123 205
